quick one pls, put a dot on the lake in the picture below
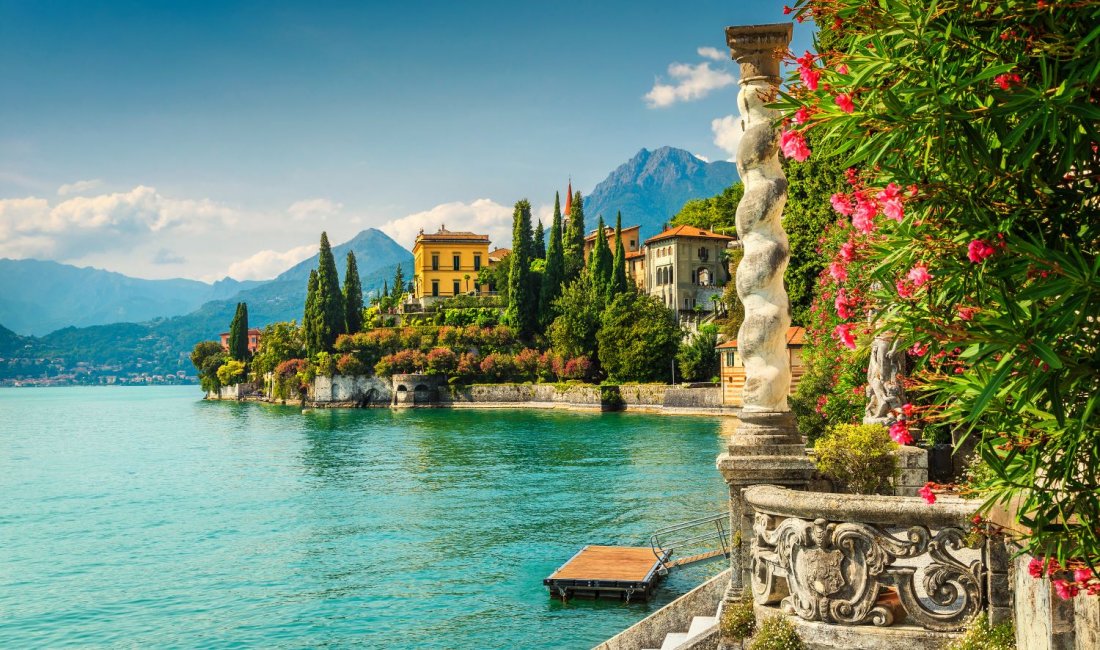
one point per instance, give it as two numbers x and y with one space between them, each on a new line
146 517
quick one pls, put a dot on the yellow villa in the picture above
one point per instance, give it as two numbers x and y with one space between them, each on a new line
446 264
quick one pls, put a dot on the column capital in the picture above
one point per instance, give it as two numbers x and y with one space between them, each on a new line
759 49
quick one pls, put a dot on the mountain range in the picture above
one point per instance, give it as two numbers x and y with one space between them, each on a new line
650 188
111 320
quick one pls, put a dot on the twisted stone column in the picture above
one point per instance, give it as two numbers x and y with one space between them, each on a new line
766 447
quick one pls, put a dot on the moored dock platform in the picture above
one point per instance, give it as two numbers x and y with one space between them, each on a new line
626 572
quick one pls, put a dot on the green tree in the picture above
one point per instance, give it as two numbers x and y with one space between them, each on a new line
522 303
599 261
618 265
698 357
717 213
353 297
238 334
638 338
231 372
330 314
279 342
398 288
555 268
539 250
309 316
207 357
573 240
573 332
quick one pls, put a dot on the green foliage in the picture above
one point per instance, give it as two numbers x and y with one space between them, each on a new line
329 317
777 633
207 357
496 276
310 317
859 456
619 282
324 363
238 334
991 114
980 635
738 618
353 296
279 342
734 309
397 291
573 240
522 290
599 261
698 358
573 332
717 214
638 336
555 269
538 250
231 372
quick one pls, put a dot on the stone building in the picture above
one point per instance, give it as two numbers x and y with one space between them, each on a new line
632 240
446 264
685 268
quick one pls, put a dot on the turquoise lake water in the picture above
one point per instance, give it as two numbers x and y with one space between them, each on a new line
144 517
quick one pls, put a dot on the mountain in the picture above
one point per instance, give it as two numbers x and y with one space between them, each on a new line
37 297
651 187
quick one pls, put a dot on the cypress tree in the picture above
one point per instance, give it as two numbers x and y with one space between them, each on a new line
385 288
309 316
521 305
599 261
539 253
573 244
238 333
330 302
618 265
353 297
555 268
398 283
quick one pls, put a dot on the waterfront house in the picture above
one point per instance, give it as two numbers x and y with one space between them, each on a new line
446 264
685 268
732 368
253 340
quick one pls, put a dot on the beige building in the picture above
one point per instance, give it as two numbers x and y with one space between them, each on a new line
732 368
632 241
684 267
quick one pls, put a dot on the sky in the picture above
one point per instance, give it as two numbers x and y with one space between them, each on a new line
205 139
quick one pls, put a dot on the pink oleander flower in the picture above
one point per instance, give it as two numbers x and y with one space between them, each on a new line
787 10
899 431
1036 567
841 303
809 77
801 115
1082 575
927 494
847 251
838 271
967 313
919 275
851 175
891 191
893 209
1007 80
978 250
863 222
844 101
905 290
918 349
793 145
1065 589
843 333
841 204
907 411
842 69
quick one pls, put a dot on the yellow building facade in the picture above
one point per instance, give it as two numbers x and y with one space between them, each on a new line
446 264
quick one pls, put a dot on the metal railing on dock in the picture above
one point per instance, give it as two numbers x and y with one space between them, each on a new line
692 541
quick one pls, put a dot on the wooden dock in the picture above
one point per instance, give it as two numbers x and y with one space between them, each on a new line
621 571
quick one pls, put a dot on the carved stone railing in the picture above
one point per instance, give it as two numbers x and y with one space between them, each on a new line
869 560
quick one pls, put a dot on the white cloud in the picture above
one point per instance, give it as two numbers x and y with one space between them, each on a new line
314 208
483 216
268 263
712 53
727 134
703 158
692 82
79 187
31 227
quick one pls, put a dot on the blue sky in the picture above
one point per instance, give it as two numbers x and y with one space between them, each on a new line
198 139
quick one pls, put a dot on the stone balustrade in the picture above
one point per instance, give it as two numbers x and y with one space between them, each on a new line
882 561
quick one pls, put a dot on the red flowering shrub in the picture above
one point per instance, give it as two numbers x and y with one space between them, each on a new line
577 368
402 362
442 361
469 366
349 364
527 364
498 367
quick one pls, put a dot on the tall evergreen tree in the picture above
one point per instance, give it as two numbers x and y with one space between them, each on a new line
522 301
309 316
555 268
618 265
398 283
353 297
330 301
539 252
573 244
385 288
238 334
599 261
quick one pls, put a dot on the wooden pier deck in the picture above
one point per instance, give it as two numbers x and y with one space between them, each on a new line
621 571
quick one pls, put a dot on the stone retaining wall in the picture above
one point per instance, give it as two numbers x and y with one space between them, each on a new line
360 390
581 396
673 617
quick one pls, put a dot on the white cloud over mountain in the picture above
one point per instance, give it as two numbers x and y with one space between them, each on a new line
727 134
266 264
690 82
314 209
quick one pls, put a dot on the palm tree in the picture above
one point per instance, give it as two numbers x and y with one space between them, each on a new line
467 278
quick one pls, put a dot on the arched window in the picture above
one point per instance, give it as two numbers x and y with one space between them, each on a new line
704 277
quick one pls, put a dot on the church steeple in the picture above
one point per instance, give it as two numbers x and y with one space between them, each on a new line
569 198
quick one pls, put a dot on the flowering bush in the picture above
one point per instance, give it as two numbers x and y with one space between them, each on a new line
577 368
469 365
498 367
975 130
350 364
404 361
442 361
527 364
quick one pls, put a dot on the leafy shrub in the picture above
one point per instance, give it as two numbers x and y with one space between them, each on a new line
498 367
577 368
442 361
401 362
698 358
983 636
351 365
231 372
527 364
469 366
776 633
325 364
859 456
739 619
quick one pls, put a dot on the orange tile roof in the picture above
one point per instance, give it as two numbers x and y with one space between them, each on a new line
609 231
796 336
500 253
632 254
688 231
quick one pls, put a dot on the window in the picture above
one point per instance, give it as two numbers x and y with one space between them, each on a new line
457 288
435 287
704 253
704 278
731 358
633 246
477 262
435 262
457 261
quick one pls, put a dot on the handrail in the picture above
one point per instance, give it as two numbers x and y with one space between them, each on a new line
665 544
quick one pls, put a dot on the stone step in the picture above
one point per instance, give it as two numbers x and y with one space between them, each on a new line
701 624
674 639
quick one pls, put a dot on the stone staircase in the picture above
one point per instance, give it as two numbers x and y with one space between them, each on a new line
697 635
